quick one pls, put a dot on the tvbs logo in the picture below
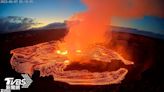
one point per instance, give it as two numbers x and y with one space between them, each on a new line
17 84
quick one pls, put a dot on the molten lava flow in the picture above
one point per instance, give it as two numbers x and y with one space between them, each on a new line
86 30
49 60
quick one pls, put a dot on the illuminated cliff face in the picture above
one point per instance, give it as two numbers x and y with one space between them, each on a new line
49 60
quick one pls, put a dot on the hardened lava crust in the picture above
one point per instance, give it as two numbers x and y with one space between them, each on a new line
44 57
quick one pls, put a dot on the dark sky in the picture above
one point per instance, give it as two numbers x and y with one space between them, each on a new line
49 11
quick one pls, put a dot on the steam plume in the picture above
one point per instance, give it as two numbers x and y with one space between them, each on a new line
92 24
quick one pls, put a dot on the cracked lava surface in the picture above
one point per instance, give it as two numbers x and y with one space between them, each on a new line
49 60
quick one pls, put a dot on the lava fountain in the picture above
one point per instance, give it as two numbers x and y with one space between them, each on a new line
84 46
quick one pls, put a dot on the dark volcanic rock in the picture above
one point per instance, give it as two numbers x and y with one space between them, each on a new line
146 75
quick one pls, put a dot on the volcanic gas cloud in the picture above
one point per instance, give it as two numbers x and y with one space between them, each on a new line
85 44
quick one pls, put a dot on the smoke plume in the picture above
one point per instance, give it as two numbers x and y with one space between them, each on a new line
91 25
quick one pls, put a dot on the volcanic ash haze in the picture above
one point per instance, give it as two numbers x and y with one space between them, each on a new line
92 25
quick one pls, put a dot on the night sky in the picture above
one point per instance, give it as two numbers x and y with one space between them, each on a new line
49 11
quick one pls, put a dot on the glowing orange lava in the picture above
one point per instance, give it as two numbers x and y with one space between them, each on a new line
87 29
46 58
